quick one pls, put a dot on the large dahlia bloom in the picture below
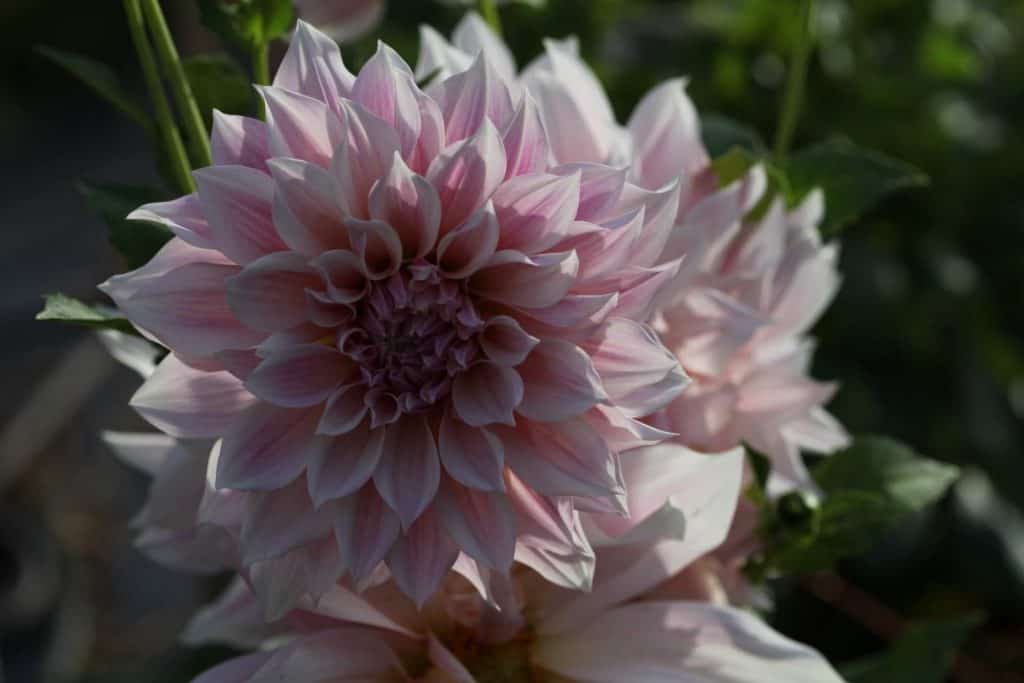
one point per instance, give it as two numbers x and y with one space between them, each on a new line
414 337
628 628
738 311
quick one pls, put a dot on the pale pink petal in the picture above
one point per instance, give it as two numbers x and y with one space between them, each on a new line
301 376
600 189
481 523
471 97
562 459
526 140
270 293
437 57
343 464
464 250
385 88
189 403
183 216
345 410
666 137
432 134
279 521
560 381
486 394
324 311
606 249
365 157
474 36
536 211
345 275
344 654
377 245
515 279
308 207
144 451
410 205
313 66
233 619
266 448
680 641
237 201
409 470
366 528
660 208
505 342
471 455
301 126
466 174
580 313
640 375
239 140
421 557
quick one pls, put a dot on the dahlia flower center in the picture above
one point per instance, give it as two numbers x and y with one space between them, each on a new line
411 335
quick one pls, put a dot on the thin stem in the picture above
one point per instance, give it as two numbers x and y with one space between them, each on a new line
168 129
796 81
261 64
489 11
192 118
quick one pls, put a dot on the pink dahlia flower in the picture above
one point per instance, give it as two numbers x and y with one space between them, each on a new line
342 19
530 629
411 334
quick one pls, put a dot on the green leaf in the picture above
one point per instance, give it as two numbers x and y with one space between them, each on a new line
854 180
923 654
869 487
67 309
136 241
248 23
102 80
886 467
721 134
218 82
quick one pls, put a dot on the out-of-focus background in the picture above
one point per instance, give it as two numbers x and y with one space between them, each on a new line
927 335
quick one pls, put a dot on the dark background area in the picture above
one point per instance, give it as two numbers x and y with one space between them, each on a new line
925 337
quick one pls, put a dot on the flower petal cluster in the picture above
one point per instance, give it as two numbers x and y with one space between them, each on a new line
627 628
412 334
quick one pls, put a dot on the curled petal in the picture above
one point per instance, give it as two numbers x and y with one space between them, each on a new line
465 249
560 382
505 342
345 275
410 205
409 471
183 216
377 245
345 410
270 293
486 394
466 174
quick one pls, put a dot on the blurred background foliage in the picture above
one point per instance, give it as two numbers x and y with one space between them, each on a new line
926 337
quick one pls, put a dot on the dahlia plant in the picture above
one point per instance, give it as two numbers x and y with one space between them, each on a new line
457 373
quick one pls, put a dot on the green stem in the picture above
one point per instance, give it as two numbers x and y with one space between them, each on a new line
192 118
796 81
168 129
261 64
489 11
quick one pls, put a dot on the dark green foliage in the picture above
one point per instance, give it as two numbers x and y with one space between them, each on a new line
248 23
218 82
136 241
66 309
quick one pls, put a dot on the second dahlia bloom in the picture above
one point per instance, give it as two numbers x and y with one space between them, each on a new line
413 335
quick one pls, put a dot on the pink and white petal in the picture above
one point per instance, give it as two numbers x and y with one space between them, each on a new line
239 140
267 448
343 654
505 342
471 97
233 619
487 393
300 377
536 211
421 557
600 189
313 66
481 523
409 470
549 523
269 294
467 173
526 140
237 202
344 464
674 641
409 204
183 216
660 209
666 137
437 57
377 245
345 410
308 207
640 375
560 382
624 433
145 451
818 431
385 87
345 275
576 316
323 311
188 403
432 134
471 455
277 522
515 279
474 36
183 307
365 157
562 459
640 289
464 250
301 127
366 529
